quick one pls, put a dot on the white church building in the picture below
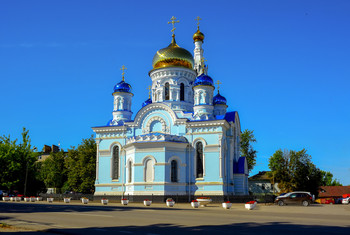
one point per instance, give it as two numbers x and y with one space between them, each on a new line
182 143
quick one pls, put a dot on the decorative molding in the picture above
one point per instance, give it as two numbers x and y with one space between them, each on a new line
139 116
109 129
162 164
204 133
209 183
108 185
147 129
156 137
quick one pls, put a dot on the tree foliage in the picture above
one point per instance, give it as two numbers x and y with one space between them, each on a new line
17 162
53 171
294 171
247 150
327 179
81 166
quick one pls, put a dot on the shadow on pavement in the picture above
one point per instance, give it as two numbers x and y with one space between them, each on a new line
240 228
9 207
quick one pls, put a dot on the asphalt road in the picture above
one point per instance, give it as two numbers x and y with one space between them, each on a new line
75 218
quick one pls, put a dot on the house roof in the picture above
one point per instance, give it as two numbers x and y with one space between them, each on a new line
262 175
333 191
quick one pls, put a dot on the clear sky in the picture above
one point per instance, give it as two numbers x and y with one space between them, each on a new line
284 65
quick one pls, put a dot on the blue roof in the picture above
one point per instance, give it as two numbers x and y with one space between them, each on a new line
219 99
147 102
110 123
230 116
122 87
238 167
203 80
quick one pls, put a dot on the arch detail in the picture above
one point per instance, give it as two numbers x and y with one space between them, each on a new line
165 128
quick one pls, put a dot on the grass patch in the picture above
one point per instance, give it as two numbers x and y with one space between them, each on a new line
3 225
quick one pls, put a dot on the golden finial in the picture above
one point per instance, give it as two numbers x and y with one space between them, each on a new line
198 19
149 91
123 68
173 22
218 83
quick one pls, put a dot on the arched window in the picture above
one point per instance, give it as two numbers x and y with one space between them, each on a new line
130 172
182 92
149 170
199 160
115 163
167 95
173 171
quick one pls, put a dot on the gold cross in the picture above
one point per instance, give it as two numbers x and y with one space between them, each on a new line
173 21
202 64
149 91
198 19
123 68
218 83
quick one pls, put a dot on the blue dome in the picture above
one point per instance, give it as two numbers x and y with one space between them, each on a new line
147 102
122 87
203 80
219 99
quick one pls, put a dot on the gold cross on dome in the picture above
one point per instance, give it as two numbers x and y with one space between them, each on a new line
202 64
149 91
198 19
123 68
173 22
218 83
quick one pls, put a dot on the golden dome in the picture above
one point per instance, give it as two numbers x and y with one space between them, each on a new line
173 55
198 36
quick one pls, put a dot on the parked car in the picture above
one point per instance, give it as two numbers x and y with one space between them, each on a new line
345 200
302 198
3 193
329 201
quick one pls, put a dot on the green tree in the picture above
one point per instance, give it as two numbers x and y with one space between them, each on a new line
247 150
53 171
293 170
81 166
17 165
327 179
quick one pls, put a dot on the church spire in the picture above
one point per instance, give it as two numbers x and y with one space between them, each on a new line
198 38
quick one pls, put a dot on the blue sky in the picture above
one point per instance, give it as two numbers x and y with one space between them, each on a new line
284 66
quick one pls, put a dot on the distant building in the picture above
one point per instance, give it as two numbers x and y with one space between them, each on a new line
333 191
47 150
261 183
